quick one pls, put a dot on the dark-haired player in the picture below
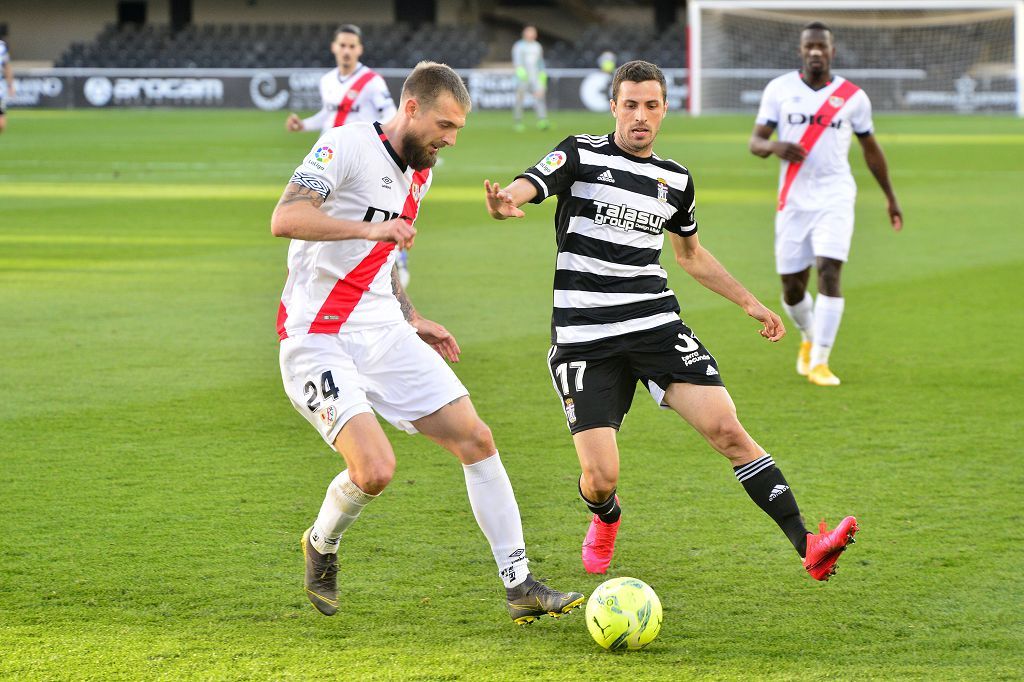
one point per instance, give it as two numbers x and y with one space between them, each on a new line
815 114
616 322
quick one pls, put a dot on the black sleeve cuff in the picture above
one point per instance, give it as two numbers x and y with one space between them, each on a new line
542 191
865 133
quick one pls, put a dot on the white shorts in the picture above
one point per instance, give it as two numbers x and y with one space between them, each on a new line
801 236
330 378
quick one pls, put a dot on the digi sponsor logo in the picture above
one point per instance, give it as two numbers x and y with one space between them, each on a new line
627 218
551 162
815 119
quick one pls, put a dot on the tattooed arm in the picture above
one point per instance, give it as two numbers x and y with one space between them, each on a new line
436 336
408 311
298 216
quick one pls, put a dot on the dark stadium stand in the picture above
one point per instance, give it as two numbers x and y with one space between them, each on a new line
628 42
272 45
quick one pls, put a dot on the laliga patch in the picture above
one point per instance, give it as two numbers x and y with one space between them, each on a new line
551 163
319 158
328 415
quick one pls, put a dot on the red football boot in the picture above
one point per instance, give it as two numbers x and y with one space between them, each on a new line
825 546
599 545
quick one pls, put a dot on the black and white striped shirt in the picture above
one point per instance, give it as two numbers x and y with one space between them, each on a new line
612 211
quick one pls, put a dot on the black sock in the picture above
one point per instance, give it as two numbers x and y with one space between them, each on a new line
608 511
768 489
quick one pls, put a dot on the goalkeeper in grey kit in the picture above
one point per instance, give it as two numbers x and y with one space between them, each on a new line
531 76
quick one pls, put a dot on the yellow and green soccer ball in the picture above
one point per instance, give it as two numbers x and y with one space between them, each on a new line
624 613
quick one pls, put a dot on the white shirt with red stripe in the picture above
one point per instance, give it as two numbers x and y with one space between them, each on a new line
372 101
824 178
345 286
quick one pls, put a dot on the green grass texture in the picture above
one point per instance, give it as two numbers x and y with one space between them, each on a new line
155 480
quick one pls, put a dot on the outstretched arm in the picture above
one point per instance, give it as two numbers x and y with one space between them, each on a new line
505 203
298 216
705 268
436 336
875 160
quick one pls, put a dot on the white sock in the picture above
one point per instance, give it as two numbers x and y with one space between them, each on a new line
494 506
828 312
342 504
802 315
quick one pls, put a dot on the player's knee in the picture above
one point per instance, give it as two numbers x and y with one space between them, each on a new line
600 483
480 440
828 278
728 435
793 290
372 477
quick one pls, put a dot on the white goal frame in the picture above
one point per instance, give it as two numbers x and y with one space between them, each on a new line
693 29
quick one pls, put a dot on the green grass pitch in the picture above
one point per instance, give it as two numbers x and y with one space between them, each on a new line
154 480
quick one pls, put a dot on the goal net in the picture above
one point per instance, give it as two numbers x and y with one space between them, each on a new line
909 55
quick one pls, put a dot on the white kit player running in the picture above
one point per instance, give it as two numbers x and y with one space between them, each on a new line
815 115
352 343
349 93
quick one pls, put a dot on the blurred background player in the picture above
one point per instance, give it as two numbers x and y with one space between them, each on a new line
352 343
5 64
815 115
531 76
606 61
351 92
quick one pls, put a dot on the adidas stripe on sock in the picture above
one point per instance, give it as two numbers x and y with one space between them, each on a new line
767 487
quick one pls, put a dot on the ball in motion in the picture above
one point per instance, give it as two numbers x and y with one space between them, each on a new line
624 613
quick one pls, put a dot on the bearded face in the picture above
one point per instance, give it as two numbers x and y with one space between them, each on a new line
420 153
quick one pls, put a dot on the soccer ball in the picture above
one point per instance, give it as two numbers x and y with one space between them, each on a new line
624 613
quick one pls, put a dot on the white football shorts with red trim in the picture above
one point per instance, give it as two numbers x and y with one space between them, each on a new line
330 378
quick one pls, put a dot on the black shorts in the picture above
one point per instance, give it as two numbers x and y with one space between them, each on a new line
596 381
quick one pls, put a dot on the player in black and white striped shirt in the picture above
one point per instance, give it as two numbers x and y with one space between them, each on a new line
615 321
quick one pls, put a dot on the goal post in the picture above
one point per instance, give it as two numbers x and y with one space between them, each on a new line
957 56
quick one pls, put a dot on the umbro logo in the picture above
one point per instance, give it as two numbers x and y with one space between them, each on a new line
606 177
776 491
516 554
711 371
387 182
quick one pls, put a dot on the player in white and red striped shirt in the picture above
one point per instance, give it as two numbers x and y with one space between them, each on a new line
815 115
350 92
352 343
